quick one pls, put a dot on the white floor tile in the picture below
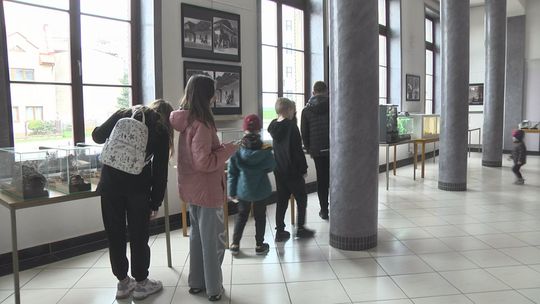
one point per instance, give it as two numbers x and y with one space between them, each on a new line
331 253
6 282
97 278
257 273
181 295
356 268
56 278
517 276
525 255
402 301
499 297
447 261
307 271
455 299
406 264
426 246
89 296
424 285
38 296
164 296
531 238
372 289
474 280
317 292
462 243
300 254
410 233
86 260
248 256
391 248
489 258
260 294
445 231
501 240
4 294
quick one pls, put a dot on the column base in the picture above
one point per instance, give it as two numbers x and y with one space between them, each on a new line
353 243
492 163
452 186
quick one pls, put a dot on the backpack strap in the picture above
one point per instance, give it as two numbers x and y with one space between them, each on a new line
137 110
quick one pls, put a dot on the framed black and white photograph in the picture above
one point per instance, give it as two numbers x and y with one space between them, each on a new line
412 89
476 94
228 80
210 34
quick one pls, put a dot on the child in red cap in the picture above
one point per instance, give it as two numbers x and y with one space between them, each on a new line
519 155
248 183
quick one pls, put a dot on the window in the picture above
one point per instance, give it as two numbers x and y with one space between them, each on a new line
430 66
21 74
34 113
383 52
283 56
15 114
70 65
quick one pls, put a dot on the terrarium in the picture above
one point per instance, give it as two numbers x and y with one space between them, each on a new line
405 125
426 125
228 135
72 169
24 172
388 128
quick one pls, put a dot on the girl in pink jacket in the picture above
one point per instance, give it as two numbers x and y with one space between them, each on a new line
201 182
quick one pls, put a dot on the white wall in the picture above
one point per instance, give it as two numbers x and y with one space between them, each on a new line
477 66
531 109
413 58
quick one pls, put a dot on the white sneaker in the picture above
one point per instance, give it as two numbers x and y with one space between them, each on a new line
125 287
146 288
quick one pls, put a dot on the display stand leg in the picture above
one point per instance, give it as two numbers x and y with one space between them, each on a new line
434 148
387 166
184 217
423 158
15 256
167 227
291 200
395 159
415 156
226 216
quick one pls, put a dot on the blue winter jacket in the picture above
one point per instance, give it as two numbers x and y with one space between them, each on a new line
248 174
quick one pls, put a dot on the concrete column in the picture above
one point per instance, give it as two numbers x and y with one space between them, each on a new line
454 92
494 96
354 139
515 74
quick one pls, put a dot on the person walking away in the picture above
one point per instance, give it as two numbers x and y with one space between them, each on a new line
519 155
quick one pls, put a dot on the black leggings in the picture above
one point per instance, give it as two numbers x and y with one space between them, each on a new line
515 169
115 208
259 212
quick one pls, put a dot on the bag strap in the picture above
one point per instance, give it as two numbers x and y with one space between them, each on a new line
137 110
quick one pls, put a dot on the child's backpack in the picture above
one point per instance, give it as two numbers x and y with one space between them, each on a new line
125 149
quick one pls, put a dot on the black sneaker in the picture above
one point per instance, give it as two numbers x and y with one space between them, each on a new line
303 232
323 215
282 235
262 249
235 249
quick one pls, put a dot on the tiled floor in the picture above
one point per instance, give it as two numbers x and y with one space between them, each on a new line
479 246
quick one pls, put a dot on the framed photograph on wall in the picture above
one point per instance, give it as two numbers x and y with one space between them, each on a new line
210 34
228 85
412 89
476 94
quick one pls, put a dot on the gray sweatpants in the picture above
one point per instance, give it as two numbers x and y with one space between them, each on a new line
207 247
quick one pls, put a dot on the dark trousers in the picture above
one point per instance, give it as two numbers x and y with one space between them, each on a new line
115 209
259 212
515 169
285 187
322 165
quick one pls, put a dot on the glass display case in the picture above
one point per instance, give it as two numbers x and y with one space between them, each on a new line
388 128
73 169
405 125
24 172
228 135
426 125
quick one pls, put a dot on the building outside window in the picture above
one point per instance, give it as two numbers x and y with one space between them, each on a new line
66 56
15 113
383 52
283 56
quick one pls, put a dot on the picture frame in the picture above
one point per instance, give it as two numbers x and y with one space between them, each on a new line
228 85
476 94
412 87
210 34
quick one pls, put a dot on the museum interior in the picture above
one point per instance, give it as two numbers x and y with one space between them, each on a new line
426 102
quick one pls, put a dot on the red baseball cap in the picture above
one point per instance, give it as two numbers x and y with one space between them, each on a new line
252 122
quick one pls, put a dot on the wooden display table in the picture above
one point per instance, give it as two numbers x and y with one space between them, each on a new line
423 142
14 203
536 131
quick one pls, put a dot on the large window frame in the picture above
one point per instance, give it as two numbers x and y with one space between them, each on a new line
76 84
430 47
384 31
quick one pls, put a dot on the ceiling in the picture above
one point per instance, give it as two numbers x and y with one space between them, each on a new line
513 7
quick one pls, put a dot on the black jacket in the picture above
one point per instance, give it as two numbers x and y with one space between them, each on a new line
287 145
152 181
519 153
316 126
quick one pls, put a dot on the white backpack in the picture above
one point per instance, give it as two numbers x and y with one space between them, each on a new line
125 149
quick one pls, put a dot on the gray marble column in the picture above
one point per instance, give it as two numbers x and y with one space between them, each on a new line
454 91
492 141
354 139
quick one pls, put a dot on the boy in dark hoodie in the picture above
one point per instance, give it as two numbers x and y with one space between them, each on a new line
316 137
519 155
290 170
248 183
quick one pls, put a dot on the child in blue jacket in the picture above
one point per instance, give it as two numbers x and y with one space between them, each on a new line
249 184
